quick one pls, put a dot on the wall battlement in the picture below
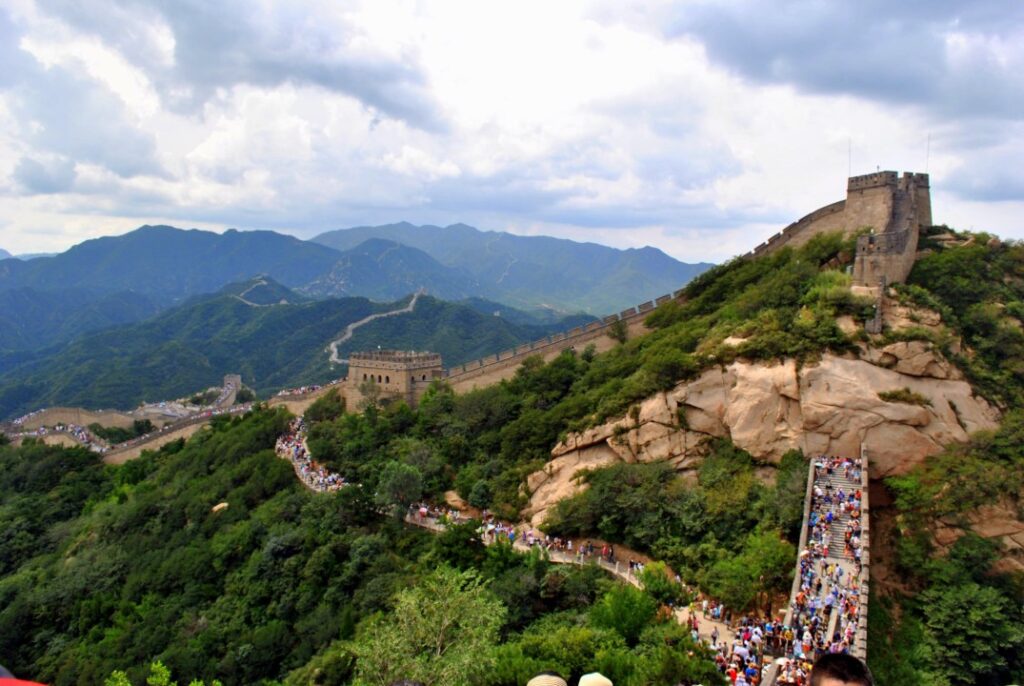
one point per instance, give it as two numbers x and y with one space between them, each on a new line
882 203
875 180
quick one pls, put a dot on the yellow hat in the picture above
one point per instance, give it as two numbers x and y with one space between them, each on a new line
595 679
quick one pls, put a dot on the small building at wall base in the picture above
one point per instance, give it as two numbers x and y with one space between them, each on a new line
392 375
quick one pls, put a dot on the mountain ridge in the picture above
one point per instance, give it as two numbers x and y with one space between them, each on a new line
271 344
382 269
590 277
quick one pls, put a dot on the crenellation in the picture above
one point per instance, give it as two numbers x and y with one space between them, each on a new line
874 180
396 374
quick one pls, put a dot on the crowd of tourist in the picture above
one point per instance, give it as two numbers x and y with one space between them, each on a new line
303 390
292 447
79 433
825 611
827 608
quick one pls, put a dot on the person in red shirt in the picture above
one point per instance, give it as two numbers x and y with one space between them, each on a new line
7 679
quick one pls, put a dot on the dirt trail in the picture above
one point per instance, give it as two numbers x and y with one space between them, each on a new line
350 329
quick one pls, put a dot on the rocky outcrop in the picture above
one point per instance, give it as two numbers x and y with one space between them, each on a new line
831 407
999 521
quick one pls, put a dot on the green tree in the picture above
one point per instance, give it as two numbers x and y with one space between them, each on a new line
400 484
972 631
327 407
626 610
657 582
730 581
618 330
442 632
370 392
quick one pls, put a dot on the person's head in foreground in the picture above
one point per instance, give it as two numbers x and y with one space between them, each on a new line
595 679
840 669
547 679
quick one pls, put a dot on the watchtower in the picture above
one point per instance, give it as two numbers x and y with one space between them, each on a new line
396 374
887 256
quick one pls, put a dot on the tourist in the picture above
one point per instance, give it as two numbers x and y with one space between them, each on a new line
839 669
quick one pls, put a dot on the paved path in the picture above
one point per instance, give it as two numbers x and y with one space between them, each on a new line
350 329
620 570
306 472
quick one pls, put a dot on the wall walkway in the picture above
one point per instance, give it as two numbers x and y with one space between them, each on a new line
819 554
493 368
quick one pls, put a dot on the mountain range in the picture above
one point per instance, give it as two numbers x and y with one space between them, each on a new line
533 271
116 280
168 264
270 335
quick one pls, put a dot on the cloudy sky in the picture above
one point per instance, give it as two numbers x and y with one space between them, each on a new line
697 127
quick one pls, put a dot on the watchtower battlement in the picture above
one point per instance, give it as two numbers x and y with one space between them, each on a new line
887 256
395 374
884 203
875 180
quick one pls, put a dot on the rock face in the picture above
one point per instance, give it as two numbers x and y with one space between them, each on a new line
1000 521
831 407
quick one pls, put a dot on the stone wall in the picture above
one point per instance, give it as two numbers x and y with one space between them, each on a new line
887 257
76 415
494 368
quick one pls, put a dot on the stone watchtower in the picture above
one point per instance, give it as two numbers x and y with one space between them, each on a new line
891 207
887 256
396 374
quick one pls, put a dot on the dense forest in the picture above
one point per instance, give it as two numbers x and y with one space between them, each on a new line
108 569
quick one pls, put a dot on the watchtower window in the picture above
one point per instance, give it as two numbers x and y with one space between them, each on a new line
379 379
424 377
387 379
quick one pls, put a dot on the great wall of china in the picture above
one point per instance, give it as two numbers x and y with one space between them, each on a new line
885 211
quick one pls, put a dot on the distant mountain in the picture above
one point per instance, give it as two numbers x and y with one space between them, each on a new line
538 317
272 346
261 291
26 256
382 269
4 255
31 319
168 264
536 271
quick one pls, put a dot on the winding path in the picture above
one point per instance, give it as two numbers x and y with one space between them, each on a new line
293 447
261 282
350 329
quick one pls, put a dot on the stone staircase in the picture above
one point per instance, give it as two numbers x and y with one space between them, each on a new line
837 546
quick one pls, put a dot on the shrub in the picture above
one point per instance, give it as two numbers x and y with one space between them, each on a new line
904 395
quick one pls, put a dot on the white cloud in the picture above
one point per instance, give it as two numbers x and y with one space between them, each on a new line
586 120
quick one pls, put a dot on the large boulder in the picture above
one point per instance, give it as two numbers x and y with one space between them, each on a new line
829 407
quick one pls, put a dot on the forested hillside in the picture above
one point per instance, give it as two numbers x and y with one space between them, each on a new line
720 526
108 569
248 330
297 577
